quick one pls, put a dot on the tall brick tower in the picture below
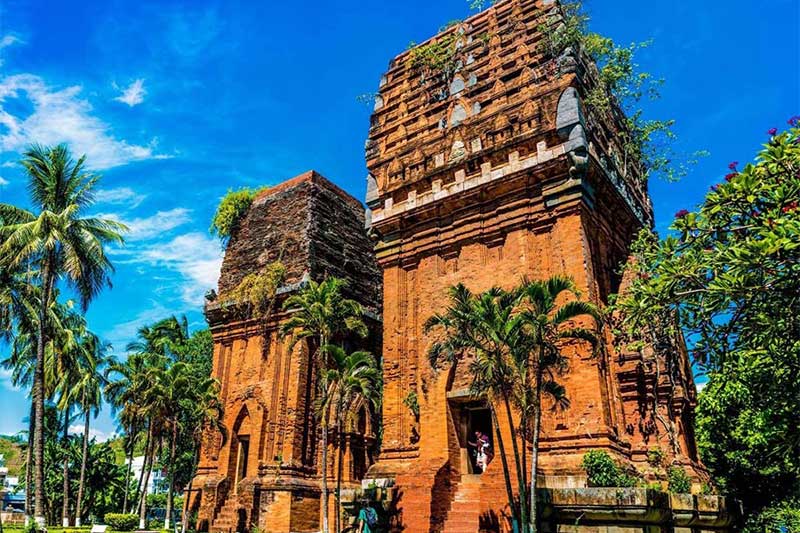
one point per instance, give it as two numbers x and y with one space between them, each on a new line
482 172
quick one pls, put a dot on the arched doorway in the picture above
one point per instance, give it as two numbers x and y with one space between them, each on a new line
470 419
239 458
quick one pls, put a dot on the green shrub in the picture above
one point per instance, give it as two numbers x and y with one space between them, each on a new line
121 522
154 524
232 208
679 482
655 457
779 517
603 471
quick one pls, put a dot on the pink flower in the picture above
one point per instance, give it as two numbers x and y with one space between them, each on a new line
772 131
794 121
729 177
732 166
682 213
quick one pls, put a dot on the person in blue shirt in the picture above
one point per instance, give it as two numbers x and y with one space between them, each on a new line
367 518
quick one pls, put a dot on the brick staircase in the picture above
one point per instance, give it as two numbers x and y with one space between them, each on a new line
465 510
227 517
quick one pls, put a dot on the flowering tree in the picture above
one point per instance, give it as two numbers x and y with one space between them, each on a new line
730 273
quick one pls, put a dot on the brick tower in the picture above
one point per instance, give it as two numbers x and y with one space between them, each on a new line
267 473
483 171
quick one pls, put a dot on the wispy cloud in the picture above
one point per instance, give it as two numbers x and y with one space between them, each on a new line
120 196
124 332
196 257
62 115
6 41
94 433
145 228
133 94
3 181
5 380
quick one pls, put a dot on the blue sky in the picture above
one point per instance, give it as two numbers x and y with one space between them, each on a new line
175 102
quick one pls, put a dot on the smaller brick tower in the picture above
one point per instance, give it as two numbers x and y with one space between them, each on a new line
266 473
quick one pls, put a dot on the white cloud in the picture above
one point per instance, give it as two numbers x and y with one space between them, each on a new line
133 94
6 41
195 256
94 433
124 332
61 115
141 229
3 181
120 196
5 380
701 386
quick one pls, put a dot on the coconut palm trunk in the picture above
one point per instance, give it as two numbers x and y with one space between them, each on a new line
537 422
141 474
128 472
339 458
506 474
29 463
325 474
65 488
84 457
523 506
146 467
38 395
188 499
171 489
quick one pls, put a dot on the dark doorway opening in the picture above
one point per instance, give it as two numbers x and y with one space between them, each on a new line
479 429
241 459
474 430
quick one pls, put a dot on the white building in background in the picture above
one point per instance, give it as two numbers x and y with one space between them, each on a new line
157 481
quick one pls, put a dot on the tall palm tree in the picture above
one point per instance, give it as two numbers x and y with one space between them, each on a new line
487 328
205 415
125 391
62 242
551 326
175 392
21 360
89 398
322 315
354 381
64 369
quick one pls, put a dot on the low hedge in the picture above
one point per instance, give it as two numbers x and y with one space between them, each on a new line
121 522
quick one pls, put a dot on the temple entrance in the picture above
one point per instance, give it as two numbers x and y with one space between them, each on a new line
240 450
241 459
474 429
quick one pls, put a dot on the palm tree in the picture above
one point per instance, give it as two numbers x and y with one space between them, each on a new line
551 326
174 391
354 381
205 412
61 242
322 315
125 391
63 369
89 397
487 328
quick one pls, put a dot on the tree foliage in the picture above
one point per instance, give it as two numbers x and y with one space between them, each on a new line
232 208
730 273
616 92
